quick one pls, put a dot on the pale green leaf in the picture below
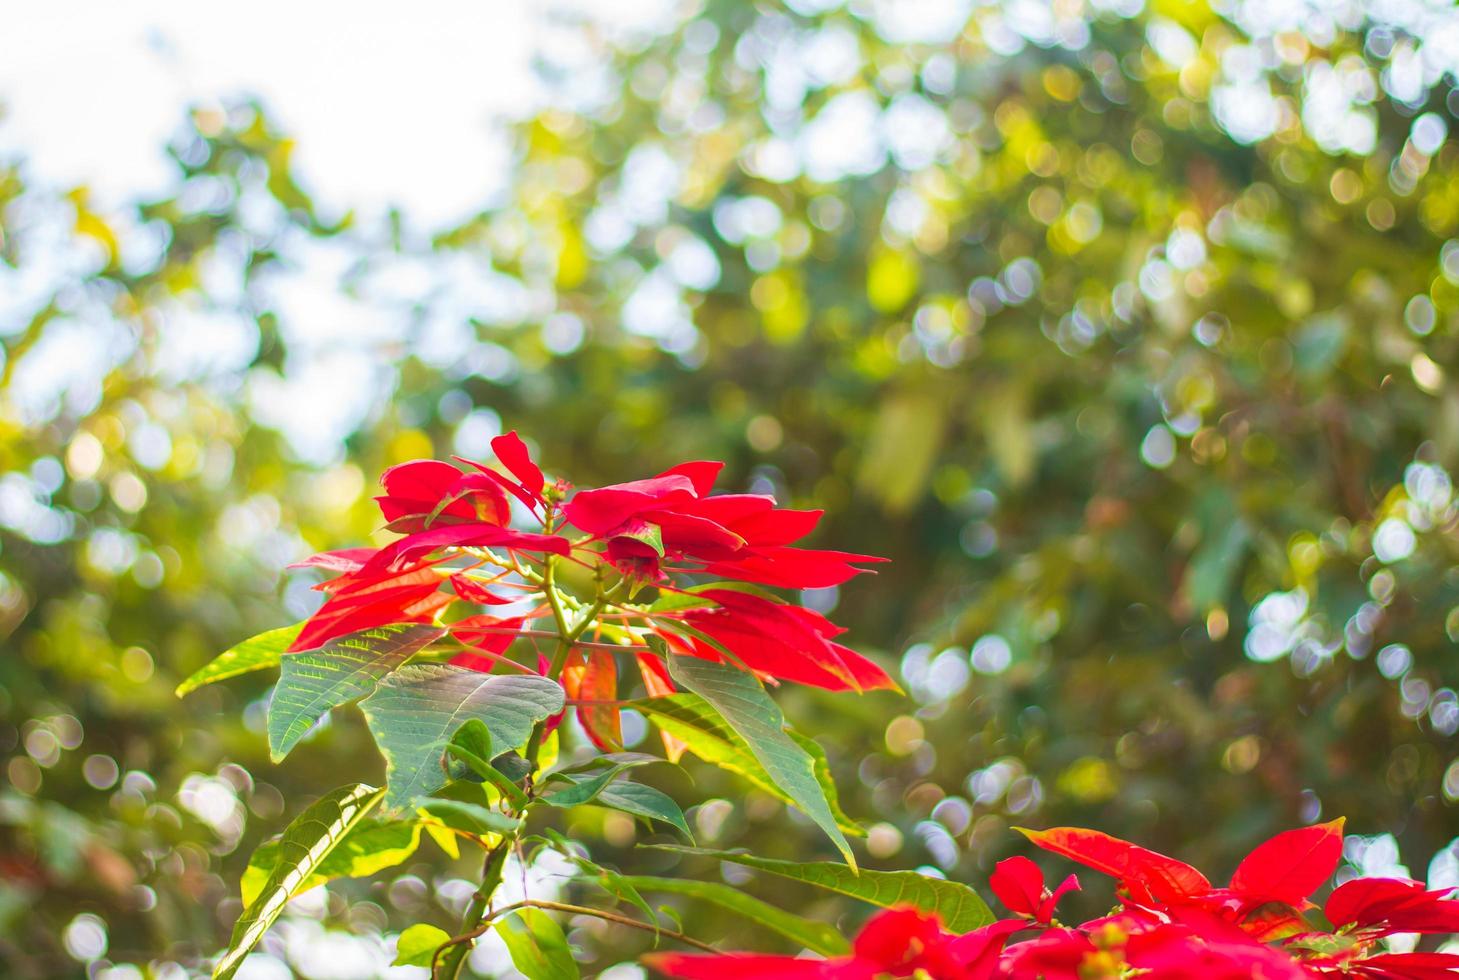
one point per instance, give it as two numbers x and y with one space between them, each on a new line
254 653
417 945
371 846
538 947
305 845
343 670
743 704
688 718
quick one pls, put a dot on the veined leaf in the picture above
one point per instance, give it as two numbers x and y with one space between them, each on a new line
694 723
743 704
644 801
305 845
415 710
254 653
815 936
470 818
371 846
341 671
958 906
417 945
538 947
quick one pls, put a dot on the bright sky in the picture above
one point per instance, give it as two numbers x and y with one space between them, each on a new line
390 104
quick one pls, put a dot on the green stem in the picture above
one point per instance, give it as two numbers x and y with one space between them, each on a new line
454 957
449 967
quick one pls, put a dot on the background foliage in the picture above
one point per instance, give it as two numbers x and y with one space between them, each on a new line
1126 330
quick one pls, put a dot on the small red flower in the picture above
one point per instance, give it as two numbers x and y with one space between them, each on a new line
1019 885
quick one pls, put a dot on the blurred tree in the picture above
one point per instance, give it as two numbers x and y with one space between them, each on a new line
1126 331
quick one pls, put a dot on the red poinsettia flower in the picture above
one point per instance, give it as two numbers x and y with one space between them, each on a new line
776 640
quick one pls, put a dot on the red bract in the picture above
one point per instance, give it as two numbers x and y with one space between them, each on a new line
529 484
1291 866
467 536
427 491
488 636
592 677
1146 875
672 518
1019 884
364 598
1387 905
1406 966
776 640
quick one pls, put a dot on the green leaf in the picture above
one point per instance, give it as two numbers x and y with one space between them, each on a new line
254 653
644 801
417 945
305 845
343 670
815 936
607 759
688 718
743 704
371 846
605 878
415 710
469 817
471 745
959 907
579 791
538 947
584 788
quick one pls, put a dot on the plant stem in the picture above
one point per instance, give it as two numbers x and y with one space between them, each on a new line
477 913
454 955
461 941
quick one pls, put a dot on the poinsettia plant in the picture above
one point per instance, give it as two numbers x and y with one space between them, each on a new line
509 598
